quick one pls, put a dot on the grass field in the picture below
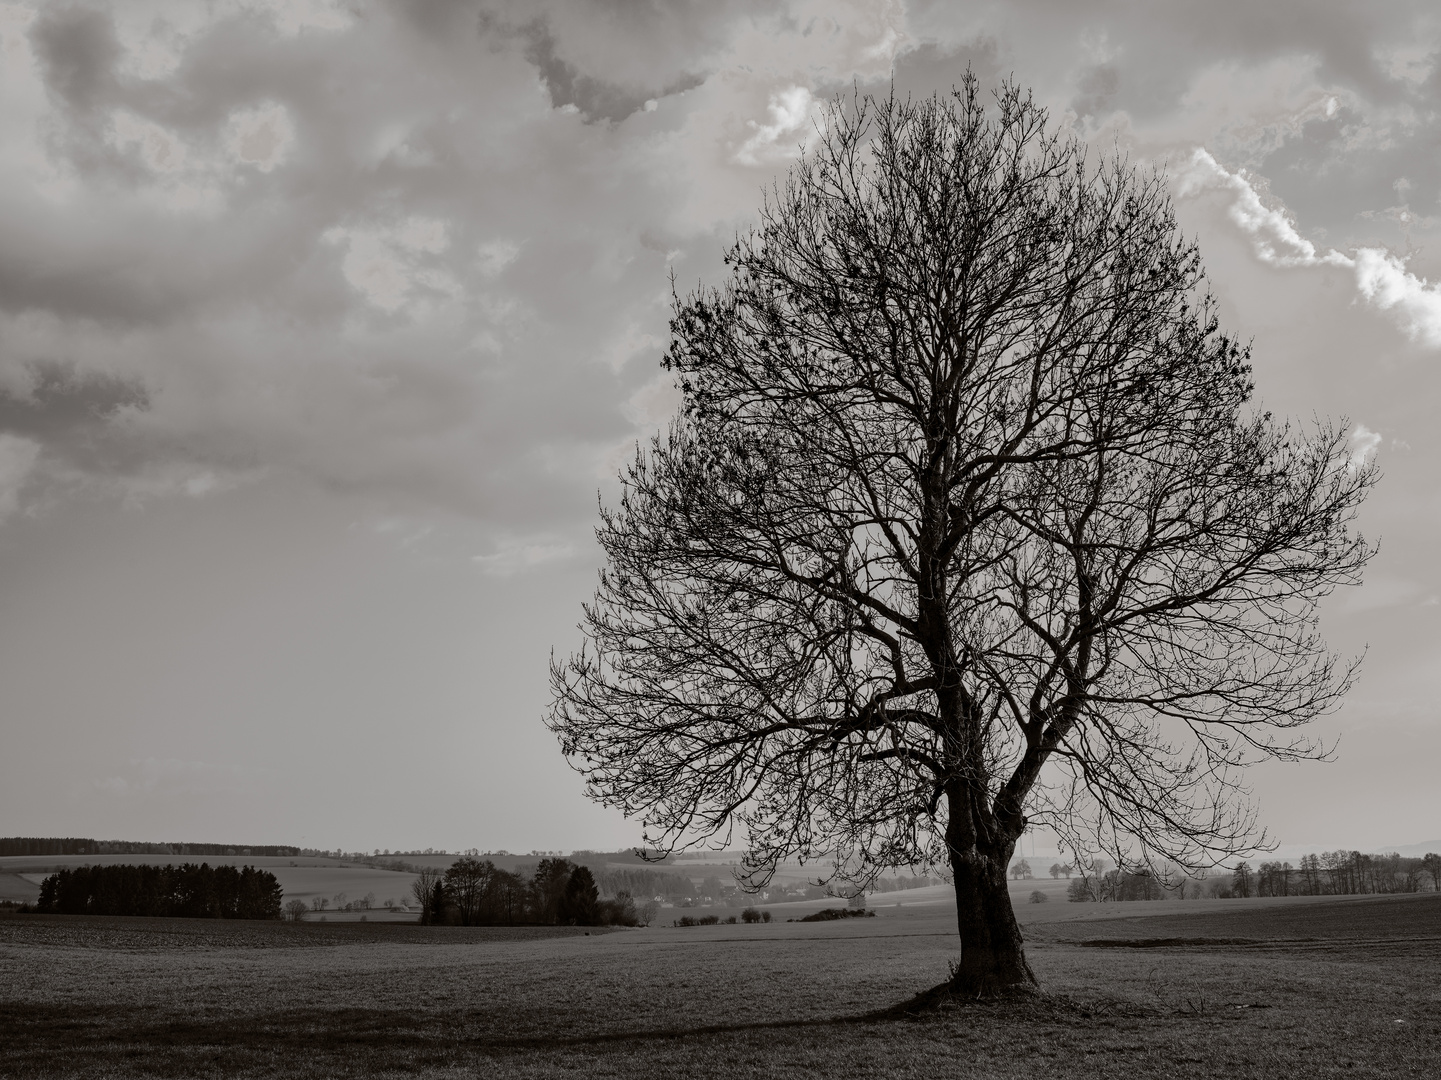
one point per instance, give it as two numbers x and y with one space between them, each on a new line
302 878
1341 988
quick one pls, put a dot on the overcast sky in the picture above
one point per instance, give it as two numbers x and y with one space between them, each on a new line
322 324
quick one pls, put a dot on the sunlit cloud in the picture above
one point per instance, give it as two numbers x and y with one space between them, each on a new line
790 115
1364 442
1382 279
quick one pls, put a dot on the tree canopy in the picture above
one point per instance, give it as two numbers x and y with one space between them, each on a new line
967 522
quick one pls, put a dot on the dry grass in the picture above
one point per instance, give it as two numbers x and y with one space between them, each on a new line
1298 990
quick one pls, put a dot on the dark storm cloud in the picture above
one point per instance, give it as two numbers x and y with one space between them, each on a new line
648 51
61 399
567 85
78 49
70 413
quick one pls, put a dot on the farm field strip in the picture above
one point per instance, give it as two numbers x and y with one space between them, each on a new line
120 998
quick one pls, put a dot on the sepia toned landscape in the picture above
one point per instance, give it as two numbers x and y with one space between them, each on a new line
719 538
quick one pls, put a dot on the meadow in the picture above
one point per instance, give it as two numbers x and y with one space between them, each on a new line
302 877
1329 987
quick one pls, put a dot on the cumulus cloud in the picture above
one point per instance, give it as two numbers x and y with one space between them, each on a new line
388 265
1385 282
260 136
447 294
790 115
1382 279
1364 442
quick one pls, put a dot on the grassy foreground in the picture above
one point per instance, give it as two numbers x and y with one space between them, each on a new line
1346 988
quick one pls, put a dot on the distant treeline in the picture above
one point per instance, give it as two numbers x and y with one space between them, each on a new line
186 891
1332 873
475 892
1340 873
897 884
72 845
643 883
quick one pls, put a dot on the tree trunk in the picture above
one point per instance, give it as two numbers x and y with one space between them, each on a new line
993 961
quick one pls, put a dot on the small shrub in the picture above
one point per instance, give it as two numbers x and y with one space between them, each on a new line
765 916
731 921
698 920
832 913
1038 897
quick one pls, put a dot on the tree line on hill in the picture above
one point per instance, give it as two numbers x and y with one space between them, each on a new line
1332 873
475 892
611 881
74 845
185 891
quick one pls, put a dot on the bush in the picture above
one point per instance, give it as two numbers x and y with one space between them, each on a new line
1038 897
765 916
832 913
295 910
701 920
750 915
620 911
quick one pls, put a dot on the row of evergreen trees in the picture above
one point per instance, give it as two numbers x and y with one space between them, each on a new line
475 892
186 891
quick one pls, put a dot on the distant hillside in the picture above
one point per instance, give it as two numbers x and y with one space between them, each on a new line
73 845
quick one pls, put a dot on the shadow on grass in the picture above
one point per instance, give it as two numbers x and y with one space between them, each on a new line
36 1032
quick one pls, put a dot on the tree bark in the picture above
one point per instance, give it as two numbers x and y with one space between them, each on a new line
993 961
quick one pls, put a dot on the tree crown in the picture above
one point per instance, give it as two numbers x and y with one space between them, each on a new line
967 522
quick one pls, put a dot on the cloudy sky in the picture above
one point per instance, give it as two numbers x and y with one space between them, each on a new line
322 325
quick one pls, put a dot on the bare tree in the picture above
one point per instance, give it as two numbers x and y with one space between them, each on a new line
467 884
423 889
295 910
966 488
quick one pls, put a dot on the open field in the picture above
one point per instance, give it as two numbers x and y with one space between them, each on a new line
1345 987
302 877
307 878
